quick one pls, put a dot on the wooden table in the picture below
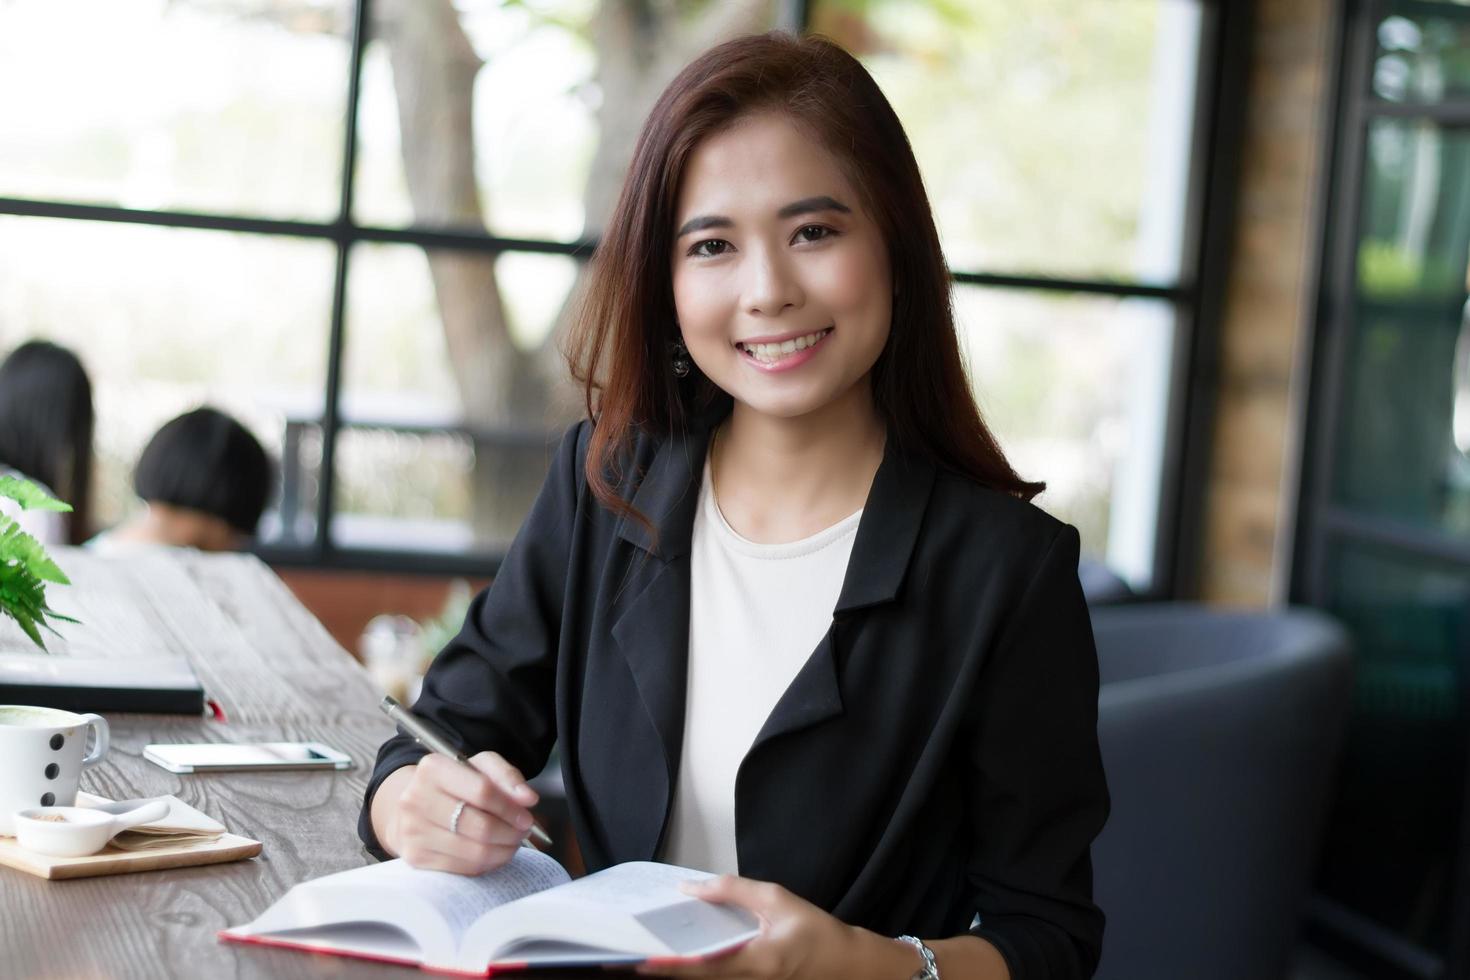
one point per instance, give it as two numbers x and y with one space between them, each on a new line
279 676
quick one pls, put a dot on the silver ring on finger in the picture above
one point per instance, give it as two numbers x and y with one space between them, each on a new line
454 817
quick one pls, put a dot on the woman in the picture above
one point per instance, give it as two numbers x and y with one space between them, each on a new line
46 436
783 602
204 480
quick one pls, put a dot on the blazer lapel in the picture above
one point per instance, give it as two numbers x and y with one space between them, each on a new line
653 635
888 531
875 572
652 629
813 697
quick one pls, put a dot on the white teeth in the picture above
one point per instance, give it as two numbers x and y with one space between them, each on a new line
768 353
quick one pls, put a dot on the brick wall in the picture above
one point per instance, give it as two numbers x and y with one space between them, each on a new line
1251 489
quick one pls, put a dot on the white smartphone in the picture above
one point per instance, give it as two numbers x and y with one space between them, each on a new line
237 756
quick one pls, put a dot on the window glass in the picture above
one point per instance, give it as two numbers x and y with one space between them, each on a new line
1416 211
1424 56
166 320
454 391
1076 389
1406 410
1053 135
228 106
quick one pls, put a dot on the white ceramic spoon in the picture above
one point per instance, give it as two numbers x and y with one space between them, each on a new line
74 831
120 807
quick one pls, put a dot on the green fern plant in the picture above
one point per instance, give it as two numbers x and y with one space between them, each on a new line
25 568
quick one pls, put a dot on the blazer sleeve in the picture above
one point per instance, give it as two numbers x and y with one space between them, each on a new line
493 686
1039 796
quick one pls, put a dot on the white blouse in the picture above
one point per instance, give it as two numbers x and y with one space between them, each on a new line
756 613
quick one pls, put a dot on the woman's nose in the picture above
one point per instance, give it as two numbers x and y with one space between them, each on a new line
771 284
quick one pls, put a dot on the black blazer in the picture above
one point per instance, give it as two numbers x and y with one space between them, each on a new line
935 759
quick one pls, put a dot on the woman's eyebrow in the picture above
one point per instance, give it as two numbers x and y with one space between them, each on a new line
811 205
703 222
807 205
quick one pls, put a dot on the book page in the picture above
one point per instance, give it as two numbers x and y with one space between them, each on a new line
432 908
375 940
459 899
649 894
633 909
633 887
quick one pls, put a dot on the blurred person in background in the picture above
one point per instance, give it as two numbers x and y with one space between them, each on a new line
205 480
46 437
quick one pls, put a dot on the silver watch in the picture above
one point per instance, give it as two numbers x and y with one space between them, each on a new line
930 969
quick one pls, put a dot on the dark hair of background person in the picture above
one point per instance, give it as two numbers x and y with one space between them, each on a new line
619 347
204 460
46 426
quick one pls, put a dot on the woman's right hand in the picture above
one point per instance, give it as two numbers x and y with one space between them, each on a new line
420 808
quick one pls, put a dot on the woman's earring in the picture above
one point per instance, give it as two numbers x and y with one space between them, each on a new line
679 355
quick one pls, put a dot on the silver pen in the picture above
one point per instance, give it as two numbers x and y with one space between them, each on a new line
432 739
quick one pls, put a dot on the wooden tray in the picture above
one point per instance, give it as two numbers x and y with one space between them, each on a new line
114 861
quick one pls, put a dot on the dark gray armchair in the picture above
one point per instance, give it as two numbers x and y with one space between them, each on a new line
1219 732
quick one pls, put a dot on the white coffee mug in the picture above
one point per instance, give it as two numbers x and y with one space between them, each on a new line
42 755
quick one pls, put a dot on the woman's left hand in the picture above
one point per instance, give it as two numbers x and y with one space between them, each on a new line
797 939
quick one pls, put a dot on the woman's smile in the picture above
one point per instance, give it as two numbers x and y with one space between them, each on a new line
782 353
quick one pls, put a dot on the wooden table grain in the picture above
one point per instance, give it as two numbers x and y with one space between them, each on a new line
278 675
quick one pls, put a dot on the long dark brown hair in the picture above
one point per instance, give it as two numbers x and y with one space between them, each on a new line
620 341
46 426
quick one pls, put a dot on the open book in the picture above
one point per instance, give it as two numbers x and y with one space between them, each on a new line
528 913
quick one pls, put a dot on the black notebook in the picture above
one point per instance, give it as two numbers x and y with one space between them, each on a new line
156 685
